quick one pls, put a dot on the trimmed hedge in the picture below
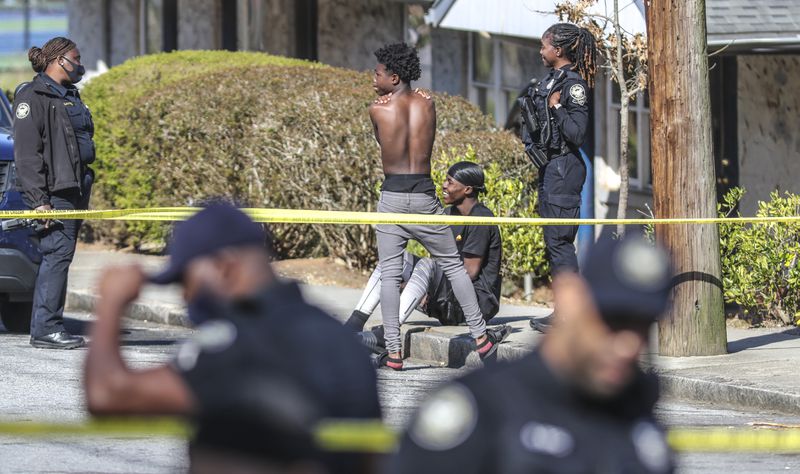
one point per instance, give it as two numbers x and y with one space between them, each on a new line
173 129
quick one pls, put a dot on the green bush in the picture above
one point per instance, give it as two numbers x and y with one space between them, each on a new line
173 129
760 270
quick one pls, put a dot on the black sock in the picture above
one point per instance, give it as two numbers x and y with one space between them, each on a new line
356 321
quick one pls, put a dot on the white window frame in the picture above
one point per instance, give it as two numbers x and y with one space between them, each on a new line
143 27
641 180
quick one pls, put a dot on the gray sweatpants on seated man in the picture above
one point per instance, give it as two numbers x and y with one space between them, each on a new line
439 241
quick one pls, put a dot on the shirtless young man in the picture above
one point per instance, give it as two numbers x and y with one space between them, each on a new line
405 127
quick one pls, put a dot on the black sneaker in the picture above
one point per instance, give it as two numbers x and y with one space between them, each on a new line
542 324
383 360
494 336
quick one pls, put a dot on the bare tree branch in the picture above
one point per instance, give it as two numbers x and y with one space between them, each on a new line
722 49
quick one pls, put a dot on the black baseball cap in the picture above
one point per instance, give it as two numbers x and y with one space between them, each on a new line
630 279
217 226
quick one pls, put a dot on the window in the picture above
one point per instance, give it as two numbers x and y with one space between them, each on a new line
251 25
499 68
151 26
158 25
639 171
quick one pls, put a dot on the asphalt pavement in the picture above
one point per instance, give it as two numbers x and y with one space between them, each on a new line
43 385
757 373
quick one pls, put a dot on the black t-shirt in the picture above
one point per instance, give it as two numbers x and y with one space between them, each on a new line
481 241
519 418
269 369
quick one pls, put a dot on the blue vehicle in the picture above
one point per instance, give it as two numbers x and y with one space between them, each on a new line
19 253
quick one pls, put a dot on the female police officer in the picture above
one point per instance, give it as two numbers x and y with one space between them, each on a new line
53 148
555 124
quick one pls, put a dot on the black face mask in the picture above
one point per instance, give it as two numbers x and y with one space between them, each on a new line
203 307
77 72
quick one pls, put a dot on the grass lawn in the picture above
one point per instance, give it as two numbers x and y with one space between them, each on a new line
11 25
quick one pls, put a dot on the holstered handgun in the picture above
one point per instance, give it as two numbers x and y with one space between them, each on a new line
37 225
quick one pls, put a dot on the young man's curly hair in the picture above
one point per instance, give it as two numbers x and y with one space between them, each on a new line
400 59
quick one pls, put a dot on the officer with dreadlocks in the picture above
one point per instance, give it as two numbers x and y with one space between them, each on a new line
555 116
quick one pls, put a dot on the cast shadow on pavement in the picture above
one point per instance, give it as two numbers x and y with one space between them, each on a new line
82 327
511 319
77 326
149 342
763 340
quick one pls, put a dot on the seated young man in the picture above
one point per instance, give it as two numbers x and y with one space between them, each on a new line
426 287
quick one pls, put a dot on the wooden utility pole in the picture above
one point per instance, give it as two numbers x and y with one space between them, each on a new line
683 175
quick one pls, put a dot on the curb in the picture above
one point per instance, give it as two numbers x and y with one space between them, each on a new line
454 352
156 313
425 343
726 392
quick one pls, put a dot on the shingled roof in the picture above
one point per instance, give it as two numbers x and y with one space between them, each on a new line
752 23
736 25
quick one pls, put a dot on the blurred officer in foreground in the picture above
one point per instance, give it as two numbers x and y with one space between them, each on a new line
53 148
253 389
579 403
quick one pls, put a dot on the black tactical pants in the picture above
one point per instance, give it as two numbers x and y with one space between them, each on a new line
560 184
58 248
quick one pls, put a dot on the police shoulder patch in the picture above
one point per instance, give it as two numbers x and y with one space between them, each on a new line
578 94
651 446
23 110
546 439
215 335
446 419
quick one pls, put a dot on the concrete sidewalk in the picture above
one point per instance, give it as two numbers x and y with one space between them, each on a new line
758 373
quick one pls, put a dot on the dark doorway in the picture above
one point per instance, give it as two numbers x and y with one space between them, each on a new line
724 119
169 31
229 25
306 29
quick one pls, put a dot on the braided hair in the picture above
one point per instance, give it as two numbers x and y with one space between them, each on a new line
579 45
469 174
40 58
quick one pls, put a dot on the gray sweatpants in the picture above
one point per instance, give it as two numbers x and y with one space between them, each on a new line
439 241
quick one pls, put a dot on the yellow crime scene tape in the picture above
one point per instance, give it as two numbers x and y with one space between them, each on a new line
372 436
308 216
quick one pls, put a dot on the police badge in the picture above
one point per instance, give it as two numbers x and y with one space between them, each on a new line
578 94
23 109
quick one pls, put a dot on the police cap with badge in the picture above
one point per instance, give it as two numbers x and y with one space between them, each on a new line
630 280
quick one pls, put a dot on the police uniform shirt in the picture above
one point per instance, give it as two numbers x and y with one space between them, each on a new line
569 123
79 116
481 241
520 418
274 365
